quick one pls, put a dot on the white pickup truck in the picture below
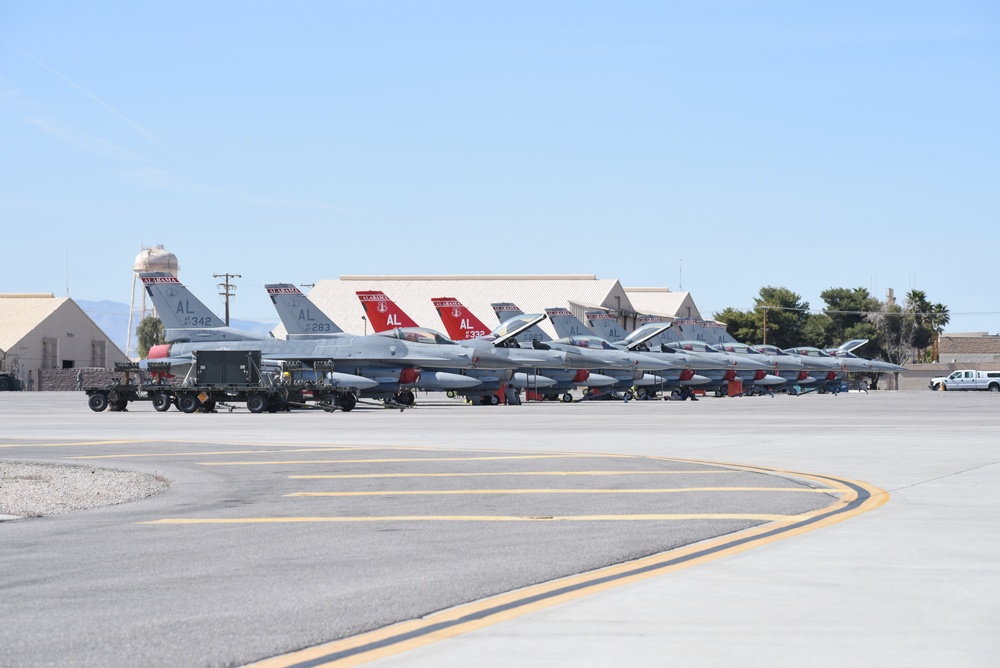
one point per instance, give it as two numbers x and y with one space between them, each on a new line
966 379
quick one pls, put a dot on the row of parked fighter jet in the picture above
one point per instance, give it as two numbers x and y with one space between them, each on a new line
476 362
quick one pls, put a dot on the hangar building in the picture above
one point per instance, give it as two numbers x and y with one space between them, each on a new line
44 332
532 293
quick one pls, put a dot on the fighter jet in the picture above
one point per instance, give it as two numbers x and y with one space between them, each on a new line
849 362
190 326
655 335
542 369
459 321
662 372
798 370
303 320
711 370
845 351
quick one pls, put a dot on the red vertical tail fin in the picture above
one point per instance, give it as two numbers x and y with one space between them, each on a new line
459 321
383 313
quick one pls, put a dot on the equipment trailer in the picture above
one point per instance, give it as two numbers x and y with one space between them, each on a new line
221 378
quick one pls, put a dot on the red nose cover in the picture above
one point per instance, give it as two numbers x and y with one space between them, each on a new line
831 375
159 352
759 374
803 374
581 376
687 374
730 375
409 376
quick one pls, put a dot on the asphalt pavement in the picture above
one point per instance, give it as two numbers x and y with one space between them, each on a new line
287 531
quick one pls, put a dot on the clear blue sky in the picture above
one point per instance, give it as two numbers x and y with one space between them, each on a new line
799 144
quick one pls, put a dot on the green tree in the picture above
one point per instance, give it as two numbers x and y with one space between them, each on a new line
847 308
149 333
783 316
929 321
817 331
778 318
741 325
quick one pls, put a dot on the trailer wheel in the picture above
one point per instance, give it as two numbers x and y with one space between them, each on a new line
5 384
98 402
257 403
162 401
328 401
120 405
187 403
208 406
347 402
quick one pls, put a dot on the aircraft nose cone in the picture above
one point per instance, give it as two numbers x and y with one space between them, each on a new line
744 363
600 380
696 380
651 363
524 381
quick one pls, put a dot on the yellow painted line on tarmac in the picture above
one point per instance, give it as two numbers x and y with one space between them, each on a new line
405 459
665 490
664 517
344 476
465 618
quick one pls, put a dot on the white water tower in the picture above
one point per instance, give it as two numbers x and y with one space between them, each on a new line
148 259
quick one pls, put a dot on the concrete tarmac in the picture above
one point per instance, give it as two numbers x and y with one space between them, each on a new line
913 582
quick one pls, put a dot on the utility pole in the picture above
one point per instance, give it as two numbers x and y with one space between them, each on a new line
227 290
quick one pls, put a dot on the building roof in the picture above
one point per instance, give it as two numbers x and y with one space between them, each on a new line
21 313
957 346
662 302
532 293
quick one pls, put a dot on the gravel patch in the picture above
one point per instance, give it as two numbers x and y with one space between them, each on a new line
36 490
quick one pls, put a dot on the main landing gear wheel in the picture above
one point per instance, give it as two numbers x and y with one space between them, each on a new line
405 397
187 403
257 403
347 402
567 398
161 402
98 402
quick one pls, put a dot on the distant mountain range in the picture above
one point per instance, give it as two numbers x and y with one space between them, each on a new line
112 318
